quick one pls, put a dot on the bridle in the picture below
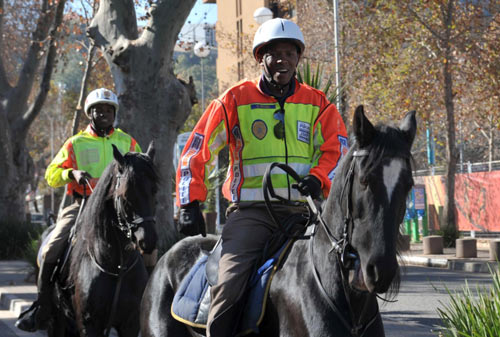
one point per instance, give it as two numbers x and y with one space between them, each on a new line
127 227
124 224
346 256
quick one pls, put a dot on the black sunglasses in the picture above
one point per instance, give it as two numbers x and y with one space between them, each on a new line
279 129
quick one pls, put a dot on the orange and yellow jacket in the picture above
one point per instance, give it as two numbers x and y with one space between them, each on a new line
244 117
89 152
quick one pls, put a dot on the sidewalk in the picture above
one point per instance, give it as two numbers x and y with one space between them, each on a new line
448 260
17 293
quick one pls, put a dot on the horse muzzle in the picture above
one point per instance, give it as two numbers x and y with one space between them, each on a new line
146 237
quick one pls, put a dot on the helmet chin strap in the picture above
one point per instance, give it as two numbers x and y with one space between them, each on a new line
270 80
100 132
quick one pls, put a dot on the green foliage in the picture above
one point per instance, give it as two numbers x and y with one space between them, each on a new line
450 234
316 79
473 315
16 238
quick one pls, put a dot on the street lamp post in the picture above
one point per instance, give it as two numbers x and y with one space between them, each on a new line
202 50
262 15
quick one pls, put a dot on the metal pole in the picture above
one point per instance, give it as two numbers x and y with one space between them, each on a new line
202 87
51 118
337 56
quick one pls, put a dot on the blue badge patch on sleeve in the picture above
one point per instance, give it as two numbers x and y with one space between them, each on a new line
344 146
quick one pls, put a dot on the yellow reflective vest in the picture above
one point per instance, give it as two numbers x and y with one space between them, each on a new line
88 152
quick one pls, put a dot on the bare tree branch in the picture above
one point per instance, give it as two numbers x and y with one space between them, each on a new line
113 27
21 91
162 23
35 108
83 89
4 84
425 24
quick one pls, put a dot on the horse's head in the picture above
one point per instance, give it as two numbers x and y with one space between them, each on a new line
134 196
377 176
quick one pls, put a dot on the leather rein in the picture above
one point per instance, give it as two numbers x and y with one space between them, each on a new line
347 257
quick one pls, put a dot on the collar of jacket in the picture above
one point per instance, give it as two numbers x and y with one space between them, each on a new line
92 132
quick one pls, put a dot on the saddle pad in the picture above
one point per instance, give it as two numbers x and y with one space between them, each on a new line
192 299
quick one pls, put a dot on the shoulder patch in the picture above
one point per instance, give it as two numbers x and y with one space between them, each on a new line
344 147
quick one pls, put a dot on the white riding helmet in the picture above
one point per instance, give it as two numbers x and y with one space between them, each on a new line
100 96
276 29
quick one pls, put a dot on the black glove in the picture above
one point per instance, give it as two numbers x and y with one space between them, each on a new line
191 221
309 185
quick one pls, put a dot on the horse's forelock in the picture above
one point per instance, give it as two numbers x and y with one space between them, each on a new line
388 142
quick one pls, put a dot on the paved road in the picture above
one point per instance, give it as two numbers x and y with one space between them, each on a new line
413 315
422 291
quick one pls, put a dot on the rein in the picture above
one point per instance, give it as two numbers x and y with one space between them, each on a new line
127 227
346 256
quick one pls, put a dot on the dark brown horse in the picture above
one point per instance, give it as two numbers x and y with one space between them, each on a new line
329 283
107 275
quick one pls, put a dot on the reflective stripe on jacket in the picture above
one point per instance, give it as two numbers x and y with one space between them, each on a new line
314 140
88 152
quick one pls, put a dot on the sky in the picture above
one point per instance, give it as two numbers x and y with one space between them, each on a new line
200 14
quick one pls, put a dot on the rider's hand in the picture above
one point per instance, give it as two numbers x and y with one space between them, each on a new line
191 221
309 185
80 176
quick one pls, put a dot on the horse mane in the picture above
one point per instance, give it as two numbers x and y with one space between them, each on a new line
99 213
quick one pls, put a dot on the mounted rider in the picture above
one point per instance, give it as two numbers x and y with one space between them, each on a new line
79 164
271 119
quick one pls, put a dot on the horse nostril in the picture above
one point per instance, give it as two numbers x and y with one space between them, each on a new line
371 275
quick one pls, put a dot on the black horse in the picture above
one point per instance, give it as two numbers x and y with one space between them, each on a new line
329 283
107 276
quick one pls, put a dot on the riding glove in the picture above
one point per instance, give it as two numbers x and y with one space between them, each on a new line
191 221
309 185
80 176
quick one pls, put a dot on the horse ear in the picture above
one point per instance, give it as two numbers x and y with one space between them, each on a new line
363 129
151 150
118 155
409 126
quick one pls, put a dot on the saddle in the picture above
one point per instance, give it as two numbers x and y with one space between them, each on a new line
192 300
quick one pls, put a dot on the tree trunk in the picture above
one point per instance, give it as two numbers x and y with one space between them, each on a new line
16 117
153 103
451 150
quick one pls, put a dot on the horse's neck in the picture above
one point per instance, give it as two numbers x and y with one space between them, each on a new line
110 247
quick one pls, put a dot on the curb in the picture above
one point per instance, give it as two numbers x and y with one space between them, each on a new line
451 264
16 299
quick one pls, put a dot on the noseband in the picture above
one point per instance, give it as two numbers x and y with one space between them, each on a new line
346 255
124 224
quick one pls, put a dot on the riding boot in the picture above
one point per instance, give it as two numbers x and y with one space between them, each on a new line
37 316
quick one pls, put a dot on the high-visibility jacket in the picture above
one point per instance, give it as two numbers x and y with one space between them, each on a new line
245 117
88 152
